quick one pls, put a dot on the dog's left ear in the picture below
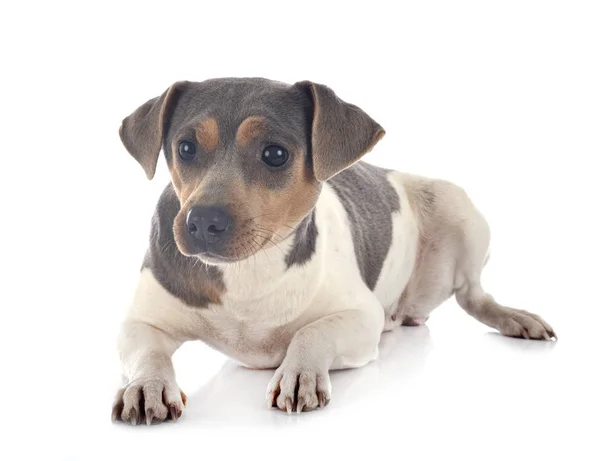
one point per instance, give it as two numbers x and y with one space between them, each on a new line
341 132
142 132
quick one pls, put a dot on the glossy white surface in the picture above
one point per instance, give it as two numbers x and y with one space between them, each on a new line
450 389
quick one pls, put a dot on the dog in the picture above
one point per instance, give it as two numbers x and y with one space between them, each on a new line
276 244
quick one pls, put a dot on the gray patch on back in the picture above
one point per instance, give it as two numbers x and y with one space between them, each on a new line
369 199
305 241
183 276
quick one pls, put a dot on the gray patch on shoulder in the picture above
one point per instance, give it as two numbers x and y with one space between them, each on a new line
305 242
187 278
369 199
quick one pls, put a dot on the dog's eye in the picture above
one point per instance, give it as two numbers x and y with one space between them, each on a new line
274 155
187 150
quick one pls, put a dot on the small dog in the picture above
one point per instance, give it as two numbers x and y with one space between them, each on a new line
275 244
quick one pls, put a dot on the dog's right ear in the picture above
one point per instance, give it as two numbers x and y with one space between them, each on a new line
341 132
142 132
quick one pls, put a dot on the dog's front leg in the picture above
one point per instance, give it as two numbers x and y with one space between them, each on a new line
346 339
151 392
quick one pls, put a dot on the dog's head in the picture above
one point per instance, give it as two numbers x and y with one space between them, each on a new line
247 157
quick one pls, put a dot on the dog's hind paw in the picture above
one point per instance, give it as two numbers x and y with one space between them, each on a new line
523 324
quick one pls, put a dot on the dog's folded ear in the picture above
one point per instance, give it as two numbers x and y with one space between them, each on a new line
142 132
341 132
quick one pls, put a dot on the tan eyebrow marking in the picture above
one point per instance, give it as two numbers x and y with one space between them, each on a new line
207 134
249 129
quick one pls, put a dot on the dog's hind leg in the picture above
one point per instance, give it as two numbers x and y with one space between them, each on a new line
508 321
476 302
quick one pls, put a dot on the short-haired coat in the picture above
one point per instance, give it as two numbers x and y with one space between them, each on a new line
275 244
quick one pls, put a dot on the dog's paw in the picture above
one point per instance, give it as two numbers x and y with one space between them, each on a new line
150 400
298 389
523 324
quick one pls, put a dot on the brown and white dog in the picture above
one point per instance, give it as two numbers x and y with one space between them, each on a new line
276 245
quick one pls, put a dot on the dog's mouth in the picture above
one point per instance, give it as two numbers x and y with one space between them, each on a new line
213 259
204 253
216 259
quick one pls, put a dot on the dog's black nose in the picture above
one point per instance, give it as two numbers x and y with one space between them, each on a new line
208 224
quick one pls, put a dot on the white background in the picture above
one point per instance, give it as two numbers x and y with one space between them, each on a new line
500 97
